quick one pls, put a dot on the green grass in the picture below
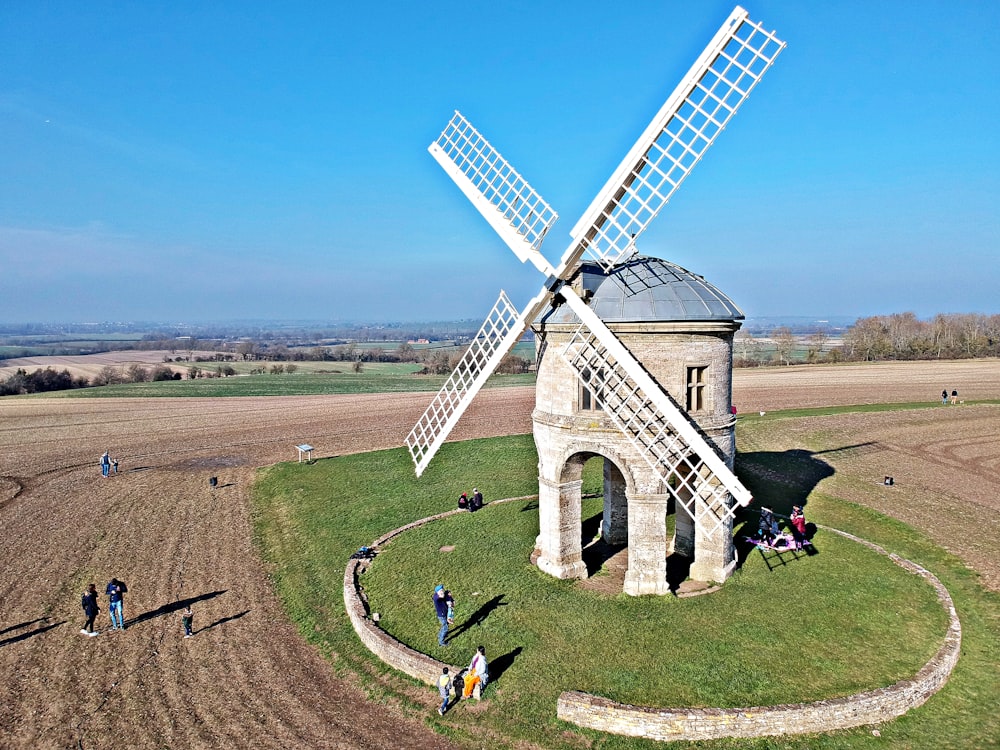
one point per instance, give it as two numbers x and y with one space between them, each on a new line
830 624
295 384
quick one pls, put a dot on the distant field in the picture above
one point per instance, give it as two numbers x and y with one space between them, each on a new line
298 384
89 365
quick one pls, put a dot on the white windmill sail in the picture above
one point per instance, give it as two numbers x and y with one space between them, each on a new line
522 218
673 143
504 198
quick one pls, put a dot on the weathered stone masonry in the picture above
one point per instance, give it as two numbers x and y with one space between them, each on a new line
872 707
672 724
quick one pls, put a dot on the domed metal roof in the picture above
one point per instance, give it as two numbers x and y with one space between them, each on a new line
648 289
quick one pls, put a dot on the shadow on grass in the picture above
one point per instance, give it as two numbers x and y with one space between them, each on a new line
478 617
779 481
30 633
166 609
502 663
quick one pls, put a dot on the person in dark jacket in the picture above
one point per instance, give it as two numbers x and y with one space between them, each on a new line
441 610
116 603
90 609
477 499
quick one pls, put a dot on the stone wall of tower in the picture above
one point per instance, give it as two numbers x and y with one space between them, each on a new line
561 430
666 350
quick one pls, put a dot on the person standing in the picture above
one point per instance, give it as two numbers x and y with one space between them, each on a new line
477 675
444 690
186 619
954 397
441 610
105 464
116 603
90 609
944 396
798 520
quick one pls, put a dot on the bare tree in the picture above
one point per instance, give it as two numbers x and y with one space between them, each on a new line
784 343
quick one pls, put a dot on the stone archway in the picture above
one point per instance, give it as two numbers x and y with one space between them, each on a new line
635 508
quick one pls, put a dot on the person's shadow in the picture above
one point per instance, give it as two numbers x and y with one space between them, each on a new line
224 620
166 609
478 616
29 633
502 663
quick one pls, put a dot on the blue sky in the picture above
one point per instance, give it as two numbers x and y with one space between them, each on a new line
195 162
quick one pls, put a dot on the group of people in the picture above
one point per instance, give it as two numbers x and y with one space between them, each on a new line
108 464
115 591
769 530
471 680
944 396
473 503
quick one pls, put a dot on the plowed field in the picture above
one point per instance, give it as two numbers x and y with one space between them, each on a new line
247 679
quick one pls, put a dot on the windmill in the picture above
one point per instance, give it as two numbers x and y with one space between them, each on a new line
687 124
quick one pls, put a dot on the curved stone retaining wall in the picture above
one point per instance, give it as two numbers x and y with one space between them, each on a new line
414 663
593 712
872 707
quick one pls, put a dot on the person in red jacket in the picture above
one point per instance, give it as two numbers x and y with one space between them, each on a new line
798 520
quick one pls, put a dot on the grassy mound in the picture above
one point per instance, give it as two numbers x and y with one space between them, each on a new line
841 621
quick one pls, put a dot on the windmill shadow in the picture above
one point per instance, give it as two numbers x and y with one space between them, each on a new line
678 571
779 481
478 617
223 620
166 609
30 633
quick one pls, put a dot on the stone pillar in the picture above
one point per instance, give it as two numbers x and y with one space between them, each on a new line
614 524
647 545
715 554
559 522
684 536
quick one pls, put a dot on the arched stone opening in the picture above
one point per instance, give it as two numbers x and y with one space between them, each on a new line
634 515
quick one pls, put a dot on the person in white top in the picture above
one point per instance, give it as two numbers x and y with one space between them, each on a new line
477 675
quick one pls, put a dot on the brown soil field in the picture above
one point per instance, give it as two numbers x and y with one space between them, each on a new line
247 678
89 365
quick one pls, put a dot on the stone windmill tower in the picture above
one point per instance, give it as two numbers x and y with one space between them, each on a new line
660 448
681 329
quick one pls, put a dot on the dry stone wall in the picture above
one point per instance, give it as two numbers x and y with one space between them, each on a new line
673 724
872 707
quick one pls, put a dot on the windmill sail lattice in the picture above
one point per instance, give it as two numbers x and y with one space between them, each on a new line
676 139
655 434
511 206
492 342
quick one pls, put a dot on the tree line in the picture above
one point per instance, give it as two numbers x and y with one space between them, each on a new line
900 336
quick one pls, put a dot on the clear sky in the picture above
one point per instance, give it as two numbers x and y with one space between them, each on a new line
190 161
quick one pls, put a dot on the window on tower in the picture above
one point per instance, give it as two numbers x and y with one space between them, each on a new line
590 390
697 388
